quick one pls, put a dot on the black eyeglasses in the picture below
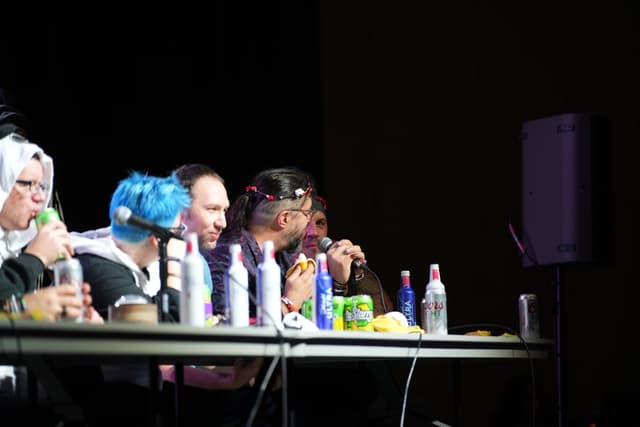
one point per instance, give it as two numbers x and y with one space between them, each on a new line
34 187
305 212
179 230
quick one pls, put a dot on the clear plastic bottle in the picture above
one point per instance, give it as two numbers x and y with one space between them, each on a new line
236 285
269 290
406 298
192 304
434 304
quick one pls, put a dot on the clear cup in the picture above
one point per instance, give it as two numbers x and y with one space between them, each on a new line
69 271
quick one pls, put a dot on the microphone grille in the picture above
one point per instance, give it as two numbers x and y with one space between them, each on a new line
121 215
324 244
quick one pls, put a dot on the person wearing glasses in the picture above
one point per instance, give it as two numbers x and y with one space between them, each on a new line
276 206
26 178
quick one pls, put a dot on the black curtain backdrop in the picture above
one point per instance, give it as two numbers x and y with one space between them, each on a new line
236 86
409 116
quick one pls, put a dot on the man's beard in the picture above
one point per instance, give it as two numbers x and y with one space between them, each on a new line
206 245
294 246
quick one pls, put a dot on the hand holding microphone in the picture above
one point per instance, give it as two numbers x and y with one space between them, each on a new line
342 255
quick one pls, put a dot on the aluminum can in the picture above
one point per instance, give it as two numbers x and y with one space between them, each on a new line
69 271
307 309
46 215
406 298
338 313
435 304
363 312
323 295
529 319
349 324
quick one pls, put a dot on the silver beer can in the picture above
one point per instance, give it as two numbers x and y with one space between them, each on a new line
529 319
69 271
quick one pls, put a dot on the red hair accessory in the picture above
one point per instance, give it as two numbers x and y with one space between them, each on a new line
297 193
255 190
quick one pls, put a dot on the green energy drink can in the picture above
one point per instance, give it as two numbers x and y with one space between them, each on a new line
363 312
46 215
307 309
338 313
348 314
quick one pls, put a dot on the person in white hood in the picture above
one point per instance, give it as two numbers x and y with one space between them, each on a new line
26 178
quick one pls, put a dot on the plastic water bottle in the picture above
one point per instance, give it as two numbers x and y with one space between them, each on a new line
434 304
192 304
269 288
406 298
236 285
323 294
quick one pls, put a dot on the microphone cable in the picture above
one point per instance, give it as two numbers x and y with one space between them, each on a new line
406 387
325 243
521 248
380 288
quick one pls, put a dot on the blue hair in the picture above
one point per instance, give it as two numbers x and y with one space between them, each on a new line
157 199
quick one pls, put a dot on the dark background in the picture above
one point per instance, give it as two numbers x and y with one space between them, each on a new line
409 116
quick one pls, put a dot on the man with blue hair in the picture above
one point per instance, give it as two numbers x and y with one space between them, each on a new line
115 259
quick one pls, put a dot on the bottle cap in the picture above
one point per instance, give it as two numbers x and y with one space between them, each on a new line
192 242
267 250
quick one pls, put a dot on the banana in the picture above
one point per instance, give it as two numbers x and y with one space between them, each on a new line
480 332
384 323
303 262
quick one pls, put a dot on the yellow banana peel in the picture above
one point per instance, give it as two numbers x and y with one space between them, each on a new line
383 323
480 332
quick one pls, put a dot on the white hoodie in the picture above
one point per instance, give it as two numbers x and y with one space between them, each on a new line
99 242
15 153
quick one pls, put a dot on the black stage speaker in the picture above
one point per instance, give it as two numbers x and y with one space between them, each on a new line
565 189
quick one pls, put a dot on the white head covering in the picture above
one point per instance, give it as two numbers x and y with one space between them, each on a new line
15 153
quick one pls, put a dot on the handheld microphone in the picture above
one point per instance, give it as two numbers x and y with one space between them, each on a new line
325 243
122 215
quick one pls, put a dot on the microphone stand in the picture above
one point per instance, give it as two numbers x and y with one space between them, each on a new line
164 273
163 240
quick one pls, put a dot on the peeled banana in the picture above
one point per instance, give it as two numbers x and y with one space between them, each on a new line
303 262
